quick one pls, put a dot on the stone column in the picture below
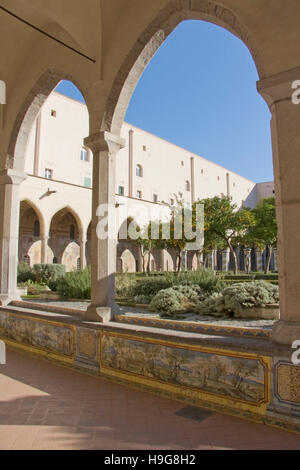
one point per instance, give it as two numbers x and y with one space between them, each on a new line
211 259
10 181
275 259
44 243
103 265
162 260
247 258
259 261
82 251
225 259
140 261
285 126
184 261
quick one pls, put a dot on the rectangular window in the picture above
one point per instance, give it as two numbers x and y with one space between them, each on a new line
87 182
139 194
53 113
84 155
48 173
155 198
121 190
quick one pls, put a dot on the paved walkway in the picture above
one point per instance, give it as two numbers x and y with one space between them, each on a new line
43 406
188 317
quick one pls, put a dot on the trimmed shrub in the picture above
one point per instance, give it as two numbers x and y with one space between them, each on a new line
168 302
124 285
192 292
23 267
44 273
213 305
240 277
204 278
75 285
142 299
150 287
267 277
25 273
238 296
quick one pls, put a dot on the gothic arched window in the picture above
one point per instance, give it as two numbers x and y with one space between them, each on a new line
36 228
72 232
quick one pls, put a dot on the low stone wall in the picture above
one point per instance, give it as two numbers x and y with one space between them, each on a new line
249 378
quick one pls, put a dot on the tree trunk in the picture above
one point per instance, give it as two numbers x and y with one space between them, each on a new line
248 262
201 263
235 260
269 257
148 264
179 262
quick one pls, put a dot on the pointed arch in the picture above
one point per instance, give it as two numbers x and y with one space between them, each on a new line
63 212
29 111
151 39
38 213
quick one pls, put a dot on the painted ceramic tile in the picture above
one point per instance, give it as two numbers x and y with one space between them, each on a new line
231 377
55 338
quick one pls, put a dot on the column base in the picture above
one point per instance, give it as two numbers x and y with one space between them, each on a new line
285 332
99 314
6 299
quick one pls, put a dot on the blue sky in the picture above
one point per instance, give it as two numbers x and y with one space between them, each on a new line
199 92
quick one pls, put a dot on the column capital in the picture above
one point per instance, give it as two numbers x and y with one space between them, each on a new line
278 87
104 141
12 177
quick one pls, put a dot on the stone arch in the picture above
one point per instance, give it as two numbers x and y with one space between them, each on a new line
169 262
151 39
192 260
38 212
127 261
66 248
29 241
29 111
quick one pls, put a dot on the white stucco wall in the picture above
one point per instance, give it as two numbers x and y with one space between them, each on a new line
166 168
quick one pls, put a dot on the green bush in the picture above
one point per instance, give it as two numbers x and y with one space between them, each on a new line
25 273
192 292
238 296
124 285
142 299
267 277
204 278
240 277
168 302
150 287
75 285
46 273
23 268
213 305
